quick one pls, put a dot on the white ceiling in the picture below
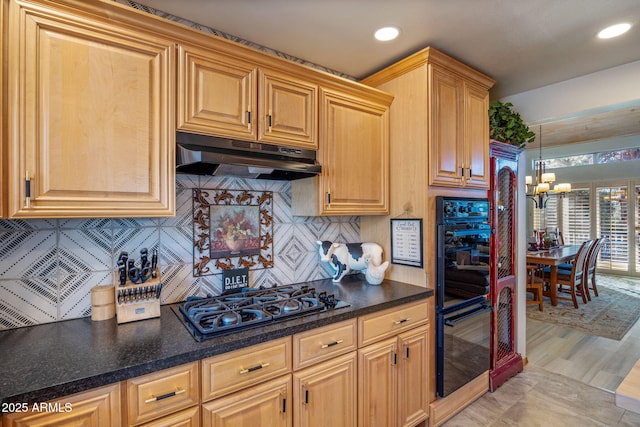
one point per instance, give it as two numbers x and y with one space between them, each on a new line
522 44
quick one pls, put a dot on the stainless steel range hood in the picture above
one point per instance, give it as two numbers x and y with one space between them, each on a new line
209 155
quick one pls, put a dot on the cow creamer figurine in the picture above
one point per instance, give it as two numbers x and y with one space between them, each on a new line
345 257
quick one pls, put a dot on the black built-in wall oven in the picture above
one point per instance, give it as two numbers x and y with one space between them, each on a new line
463 307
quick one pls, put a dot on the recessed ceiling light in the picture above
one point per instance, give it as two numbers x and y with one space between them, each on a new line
386 33
614 31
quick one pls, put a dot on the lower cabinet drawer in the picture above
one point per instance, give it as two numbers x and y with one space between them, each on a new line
384 324
154 395
186 418
99 407
318 345
238 369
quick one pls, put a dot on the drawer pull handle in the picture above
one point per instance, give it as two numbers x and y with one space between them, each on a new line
165 396
331 344
254 368
400 322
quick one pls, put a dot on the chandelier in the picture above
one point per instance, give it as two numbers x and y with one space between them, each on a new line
540 191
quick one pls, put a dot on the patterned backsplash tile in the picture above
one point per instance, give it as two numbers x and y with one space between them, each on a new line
48 267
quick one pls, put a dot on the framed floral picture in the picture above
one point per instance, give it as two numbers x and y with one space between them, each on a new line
232 229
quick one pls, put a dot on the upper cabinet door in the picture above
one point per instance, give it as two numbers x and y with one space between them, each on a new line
459 135
446 151
354 155
216 94
477 136
91 117
288 110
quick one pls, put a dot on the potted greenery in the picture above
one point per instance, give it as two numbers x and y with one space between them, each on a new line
506 125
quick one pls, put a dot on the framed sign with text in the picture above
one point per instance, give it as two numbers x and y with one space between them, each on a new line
406 241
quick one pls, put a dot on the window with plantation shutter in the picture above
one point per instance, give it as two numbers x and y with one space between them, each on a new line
538 218
547 218
576 218
599 209
552 213
612 222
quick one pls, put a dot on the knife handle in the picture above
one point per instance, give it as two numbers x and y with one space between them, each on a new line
144 257
122 273
154 263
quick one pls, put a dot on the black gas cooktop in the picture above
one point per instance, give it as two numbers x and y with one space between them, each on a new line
211 316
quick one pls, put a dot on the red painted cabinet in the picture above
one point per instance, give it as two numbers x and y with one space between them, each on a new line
505 361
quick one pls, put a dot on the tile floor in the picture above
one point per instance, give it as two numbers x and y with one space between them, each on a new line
539 398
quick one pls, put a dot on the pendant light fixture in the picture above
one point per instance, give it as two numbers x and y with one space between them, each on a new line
540 191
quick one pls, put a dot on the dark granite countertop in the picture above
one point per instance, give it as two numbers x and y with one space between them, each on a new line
49 361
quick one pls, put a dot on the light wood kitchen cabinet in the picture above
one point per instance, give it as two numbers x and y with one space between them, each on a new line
378 384
354 154
393 374
443 105
320 344
3 109
227 96
91 126
233 371
99 407
389 323
187 418
413 376
288 108
162 393
325 394
267 404
459 132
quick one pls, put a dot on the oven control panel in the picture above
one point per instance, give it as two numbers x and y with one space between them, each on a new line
452 209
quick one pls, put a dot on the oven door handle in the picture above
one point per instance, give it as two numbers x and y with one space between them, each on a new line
452 320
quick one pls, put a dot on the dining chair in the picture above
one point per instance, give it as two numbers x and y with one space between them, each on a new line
535 285
560 238
573 278
591 261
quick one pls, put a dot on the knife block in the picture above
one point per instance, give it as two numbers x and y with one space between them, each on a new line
130 308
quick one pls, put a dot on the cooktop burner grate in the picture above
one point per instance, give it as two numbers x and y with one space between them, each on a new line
210 316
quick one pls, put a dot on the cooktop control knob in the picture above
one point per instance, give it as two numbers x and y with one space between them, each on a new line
449 208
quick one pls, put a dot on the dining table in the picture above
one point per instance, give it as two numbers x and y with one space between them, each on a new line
553 257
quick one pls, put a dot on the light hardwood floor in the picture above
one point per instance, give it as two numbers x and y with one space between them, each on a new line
596 361
569 381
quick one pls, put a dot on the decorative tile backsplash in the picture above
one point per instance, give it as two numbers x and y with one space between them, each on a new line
48 267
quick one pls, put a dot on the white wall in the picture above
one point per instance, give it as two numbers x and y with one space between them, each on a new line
596 91
521 262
